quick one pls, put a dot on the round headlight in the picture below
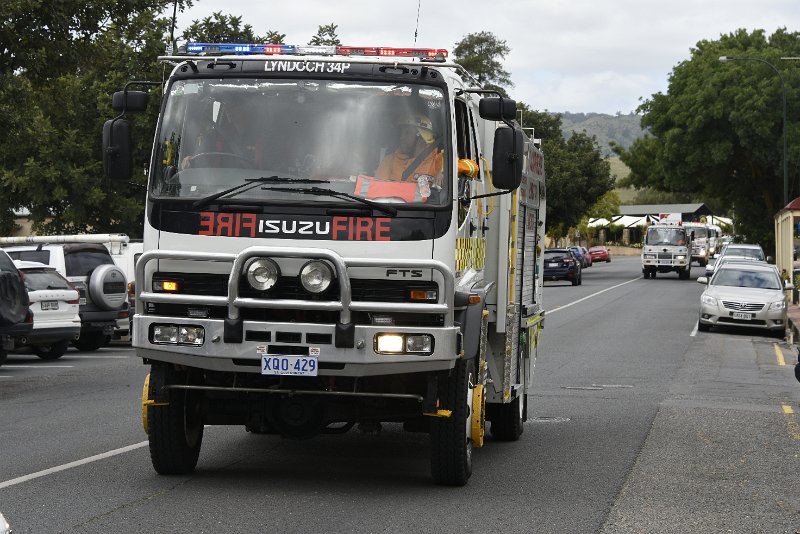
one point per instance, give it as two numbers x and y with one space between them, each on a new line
262 274
316 276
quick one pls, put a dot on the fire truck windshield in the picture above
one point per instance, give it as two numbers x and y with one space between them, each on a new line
666 236
382 142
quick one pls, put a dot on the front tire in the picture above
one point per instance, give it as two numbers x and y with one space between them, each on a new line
703 327
451 437
175 430
51 352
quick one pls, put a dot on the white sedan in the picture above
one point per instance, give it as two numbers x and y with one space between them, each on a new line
744 294
55 304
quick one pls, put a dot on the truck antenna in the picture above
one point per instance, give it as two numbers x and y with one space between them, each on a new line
416 29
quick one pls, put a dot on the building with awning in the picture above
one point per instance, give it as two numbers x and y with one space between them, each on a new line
676 212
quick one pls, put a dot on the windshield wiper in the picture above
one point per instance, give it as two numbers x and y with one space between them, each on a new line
389 210
253 182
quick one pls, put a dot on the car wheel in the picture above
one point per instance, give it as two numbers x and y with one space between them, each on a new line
90 341
580 279
703 327
52 352
451 437
575 281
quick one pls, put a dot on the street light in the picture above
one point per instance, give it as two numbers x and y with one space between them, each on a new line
725 59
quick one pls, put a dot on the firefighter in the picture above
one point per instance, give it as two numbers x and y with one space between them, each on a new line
417 153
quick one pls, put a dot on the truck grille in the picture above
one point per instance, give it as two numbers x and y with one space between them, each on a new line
664 256
289 287
742 306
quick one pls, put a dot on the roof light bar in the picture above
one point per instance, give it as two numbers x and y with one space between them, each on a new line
438 54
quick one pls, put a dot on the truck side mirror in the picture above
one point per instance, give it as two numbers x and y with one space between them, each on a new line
117 161
497 109
507 158
130 101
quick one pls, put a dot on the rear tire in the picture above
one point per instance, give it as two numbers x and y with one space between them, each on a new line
175 431
52 352
90 341
575 281
451 437
508 419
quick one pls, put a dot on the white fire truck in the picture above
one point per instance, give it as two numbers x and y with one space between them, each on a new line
667 248
704 243
334 236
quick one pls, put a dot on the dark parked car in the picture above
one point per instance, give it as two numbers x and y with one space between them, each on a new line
578 252
561 264
16 320
600 253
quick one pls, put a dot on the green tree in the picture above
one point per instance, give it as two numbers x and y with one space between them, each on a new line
220 28
577 174
274 37
326 35
717 131
606 207
50 155
481 54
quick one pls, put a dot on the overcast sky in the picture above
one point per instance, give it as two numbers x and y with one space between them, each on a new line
566 55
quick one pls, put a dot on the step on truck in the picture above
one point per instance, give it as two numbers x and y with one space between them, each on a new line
667 248
334 237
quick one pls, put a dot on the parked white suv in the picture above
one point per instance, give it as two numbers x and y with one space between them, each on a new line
54 304
102 285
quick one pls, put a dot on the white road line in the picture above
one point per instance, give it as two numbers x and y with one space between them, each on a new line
694 330
39 366
70 357
77 463
550 312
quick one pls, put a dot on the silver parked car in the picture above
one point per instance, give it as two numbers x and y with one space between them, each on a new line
740 251
748 294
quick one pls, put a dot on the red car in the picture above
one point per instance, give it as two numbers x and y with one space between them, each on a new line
600 253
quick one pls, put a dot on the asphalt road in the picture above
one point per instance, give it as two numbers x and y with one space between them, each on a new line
638 424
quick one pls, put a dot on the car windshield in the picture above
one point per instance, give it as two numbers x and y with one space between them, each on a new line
745 252
665 236
39 279
747 278
356 138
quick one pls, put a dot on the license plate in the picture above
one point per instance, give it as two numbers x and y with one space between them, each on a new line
82 301
274 364
742 315
49 305
552 265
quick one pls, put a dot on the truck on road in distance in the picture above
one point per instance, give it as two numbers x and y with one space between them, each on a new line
334 237
667 248
704 244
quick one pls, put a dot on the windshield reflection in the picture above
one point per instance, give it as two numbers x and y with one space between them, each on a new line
378 141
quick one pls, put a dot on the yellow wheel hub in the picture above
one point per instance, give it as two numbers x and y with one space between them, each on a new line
145 401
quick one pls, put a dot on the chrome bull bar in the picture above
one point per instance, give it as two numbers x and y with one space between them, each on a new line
345 305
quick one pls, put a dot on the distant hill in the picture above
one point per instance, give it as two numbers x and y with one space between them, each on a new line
622 129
